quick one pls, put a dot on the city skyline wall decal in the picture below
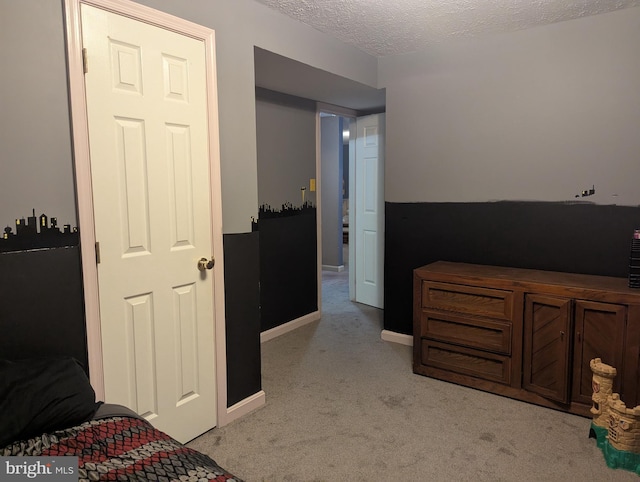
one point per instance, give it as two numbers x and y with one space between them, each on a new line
36 233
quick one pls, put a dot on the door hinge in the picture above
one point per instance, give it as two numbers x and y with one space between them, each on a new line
97 252
85 66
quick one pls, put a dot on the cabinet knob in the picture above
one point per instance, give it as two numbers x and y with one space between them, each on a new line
562 335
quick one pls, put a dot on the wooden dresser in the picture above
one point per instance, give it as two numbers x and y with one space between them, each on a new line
525 334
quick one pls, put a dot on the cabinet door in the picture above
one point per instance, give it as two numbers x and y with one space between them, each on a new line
599 333
547 322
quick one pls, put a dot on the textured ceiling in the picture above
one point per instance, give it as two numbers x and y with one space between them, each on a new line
387 27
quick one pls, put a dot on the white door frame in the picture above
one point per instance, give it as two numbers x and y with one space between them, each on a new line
82 164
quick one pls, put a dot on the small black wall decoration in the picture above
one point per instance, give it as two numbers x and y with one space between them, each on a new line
37 232
288 209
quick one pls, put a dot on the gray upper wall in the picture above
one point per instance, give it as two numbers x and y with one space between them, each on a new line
539 114
286 141
240 26
35 139
36 165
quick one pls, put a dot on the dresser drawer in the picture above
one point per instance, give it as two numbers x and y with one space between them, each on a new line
466 361
481 333
473 300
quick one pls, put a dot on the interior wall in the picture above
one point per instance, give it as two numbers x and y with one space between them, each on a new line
331 155
242 315
489 142
567 237
288 265
35 144
240 25
35 139
286 224
40 315
540 114
286 142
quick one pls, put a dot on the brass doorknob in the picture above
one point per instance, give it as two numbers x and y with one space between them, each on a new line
205 263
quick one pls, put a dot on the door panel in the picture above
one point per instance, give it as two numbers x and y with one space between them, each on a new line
148 136
140 356
599 333
133 196
546 346
369 211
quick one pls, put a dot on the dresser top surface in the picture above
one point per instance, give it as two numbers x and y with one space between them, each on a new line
499 275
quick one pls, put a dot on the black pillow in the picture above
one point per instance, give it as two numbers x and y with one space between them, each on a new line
42 395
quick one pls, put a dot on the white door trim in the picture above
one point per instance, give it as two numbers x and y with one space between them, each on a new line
86 222
318 213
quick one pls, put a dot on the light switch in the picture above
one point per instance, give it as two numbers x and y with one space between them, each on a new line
312 185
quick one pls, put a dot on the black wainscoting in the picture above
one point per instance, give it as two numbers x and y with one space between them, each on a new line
288 267
242 306
42 308
42 304
567 237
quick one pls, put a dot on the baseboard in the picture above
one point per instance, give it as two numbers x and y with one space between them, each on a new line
244 407
289 326
329 267
394 337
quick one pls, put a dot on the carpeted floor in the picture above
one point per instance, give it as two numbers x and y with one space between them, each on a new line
343 405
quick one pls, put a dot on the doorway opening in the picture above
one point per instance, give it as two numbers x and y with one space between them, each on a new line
283 157
351 167
334 174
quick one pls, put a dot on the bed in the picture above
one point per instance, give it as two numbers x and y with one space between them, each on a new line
48 409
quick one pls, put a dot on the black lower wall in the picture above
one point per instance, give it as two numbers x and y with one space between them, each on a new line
42 305
42 308
568 237
288 267
242 305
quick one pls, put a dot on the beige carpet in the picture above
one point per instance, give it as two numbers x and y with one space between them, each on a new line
342 405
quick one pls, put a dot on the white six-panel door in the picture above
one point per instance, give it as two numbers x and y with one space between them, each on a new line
369 206
148 137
